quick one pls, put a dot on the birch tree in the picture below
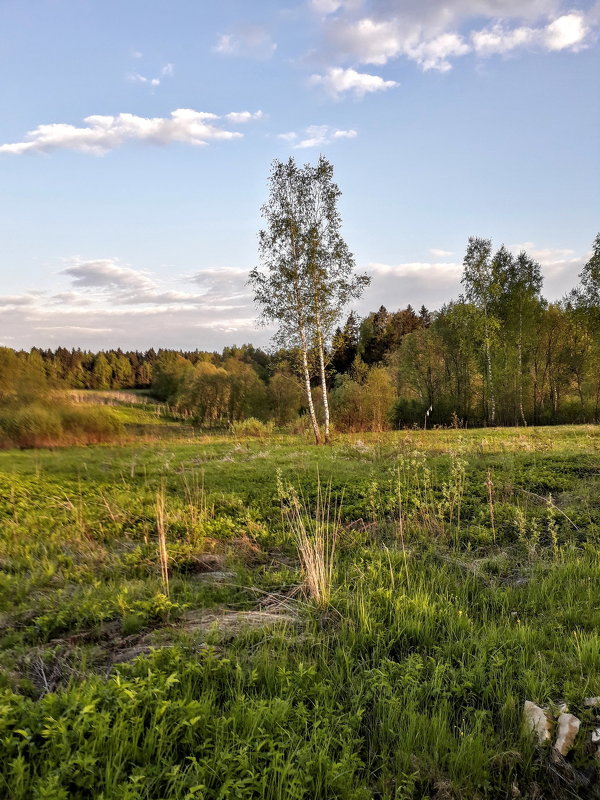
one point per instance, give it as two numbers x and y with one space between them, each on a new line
590 281
523 286
480 288
307 271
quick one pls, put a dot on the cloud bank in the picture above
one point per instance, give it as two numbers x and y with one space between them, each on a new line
103 133
106 303
433 33
436 282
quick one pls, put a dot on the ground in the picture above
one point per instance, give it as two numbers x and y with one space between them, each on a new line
465 582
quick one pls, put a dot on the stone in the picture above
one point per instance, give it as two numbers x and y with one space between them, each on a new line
537 721
596 740
568 728
592 702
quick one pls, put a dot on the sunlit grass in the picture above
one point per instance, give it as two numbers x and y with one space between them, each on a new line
422 632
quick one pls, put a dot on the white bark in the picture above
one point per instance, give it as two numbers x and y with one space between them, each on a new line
305 369
323 378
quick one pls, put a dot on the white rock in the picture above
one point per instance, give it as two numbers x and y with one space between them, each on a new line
568 727
591 702
596 736
537 721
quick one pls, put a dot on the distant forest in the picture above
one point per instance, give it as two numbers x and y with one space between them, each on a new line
499 354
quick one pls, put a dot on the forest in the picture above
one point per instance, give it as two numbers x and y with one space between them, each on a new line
499 354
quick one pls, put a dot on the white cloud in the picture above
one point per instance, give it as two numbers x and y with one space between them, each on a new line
421 268
560 267
71 329
377 42
368 40
107 277
438 253
135 77
337 81
417 282
566 32
433 33
434 54
317 136
290 136
250 41
326 6
10 301
552 259
223 285
351 134
543 254
239 117
105 273
167 71
105 303
226 44
103 133
497 39
111 304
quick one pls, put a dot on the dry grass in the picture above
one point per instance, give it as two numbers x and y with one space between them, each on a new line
315 532
161 529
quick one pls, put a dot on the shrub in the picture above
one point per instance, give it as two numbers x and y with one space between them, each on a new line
91 424
41 425
30 426
252 427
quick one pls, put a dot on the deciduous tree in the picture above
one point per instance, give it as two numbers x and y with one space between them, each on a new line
307 274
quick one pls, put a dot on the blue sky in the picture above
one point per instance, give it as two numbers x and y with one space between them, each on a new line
137 136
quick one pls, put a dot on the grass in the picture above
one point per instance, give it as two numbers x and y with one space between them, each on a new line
315 532
464 580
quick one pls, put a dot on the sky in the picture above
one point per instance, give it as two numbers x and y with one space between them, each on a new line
137 135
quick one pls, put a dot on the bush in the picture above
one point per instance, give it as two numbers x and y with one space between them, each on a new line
40 425
91 424
30 426
252 427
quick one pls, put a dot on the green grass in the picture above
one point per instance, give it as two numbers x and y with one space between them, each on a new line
409 684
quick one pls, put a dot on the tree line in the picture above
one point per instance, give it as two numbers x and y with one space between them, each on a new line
498 354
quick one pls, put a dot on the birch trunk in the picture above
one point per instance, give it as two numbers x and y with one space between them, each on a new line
488 357
306 371
521 410
323 379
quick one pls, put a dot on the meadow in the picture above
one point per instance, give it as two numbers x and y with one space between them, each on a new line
160 639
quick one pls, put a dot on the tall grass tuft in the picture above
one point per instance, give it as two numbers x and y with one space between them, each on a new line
490 490
161 528
315 532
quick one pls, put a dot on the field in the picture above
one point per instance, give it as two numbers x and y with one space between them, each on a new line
158 640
